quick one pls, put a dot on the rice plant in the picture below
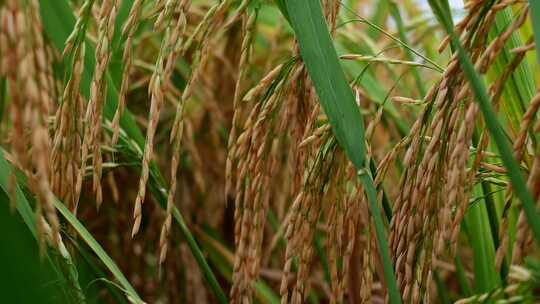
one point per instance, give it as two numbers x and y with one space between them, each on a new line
286 151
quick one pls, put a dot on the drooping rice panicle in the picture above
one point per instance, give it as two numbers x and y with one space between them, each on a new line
176 139
98 89
129 29
32 95
158 82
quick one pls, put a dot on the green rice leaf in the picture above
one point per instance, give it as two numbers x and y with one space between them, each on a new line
66 270
323 66
339 104
534 7
28 217
99 251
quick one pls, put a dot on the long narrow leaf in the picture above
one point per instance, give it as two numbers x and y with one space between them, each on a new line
24 273
99 251
27 216
323 67
67 268
338 102
534 6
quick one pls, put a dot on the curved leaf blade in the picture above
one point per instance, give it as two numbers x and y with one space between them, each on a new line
338 102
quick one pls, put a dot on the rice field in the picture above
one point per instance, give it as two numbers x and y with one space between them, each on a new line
269 151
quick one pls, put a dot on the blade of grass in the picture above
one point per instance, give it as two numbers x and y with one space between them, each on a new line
91 270
99 251
338 102
27 215
26 276
322 63
534 7
516 178
66 268
23 207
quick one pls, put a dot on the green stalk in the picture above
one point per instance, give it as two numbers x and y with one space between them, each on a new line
387 207
493 221
339 104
